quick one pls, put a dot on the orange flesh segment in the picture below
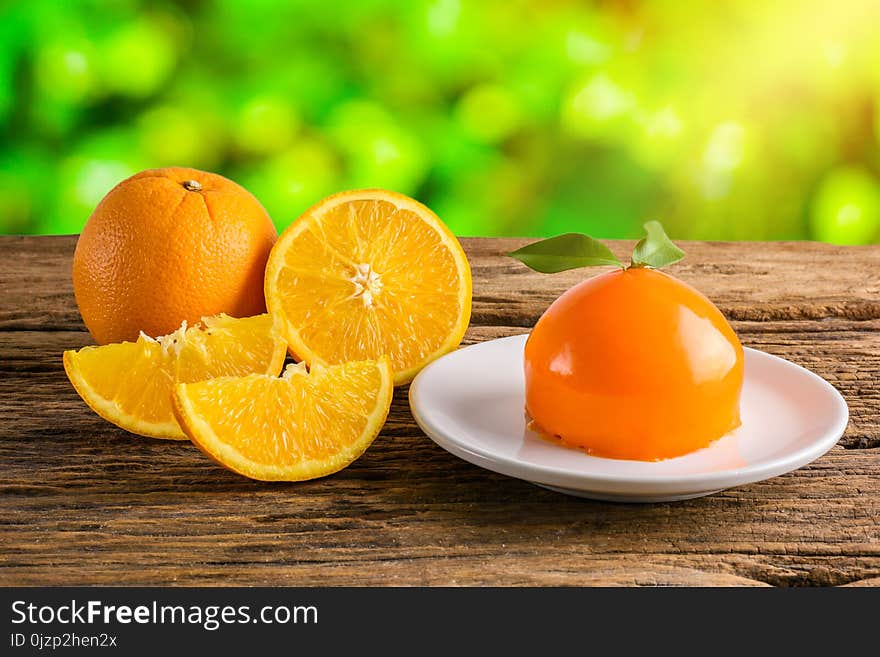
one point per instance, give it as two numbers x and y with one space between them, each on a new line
130 383
300 426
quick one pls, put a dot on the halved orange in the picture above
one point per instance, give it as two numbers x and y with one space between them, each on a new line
370 272
130 383
304 425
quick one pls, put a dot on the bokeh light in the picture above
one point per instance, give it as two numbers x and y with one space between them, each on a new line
724 119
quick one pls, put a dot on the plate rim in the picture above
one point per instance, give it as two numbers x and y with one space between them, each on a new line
641 484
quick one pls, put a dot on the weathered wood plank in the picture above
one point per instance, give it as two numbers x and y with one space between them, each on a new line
845 352
82 502
441 518
749 281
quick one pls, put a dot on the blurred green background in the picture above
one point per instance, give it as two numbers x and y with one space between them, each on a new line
725 120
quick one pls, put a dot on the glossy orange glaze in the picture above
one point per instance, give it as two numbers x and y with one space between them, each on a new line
634 364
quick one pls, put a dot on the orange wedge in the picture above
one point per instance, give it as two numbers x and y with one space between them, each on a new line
130 383
366 273
304 425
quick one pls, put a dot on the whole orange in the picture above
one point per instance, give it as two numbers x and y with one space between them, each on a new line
168 245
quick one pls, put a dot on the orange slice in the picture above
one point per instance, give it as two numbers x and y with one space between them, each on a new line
130 383
304 425
366 273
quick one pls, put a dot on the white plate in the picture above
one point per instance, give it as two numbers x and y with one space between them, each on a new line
470 402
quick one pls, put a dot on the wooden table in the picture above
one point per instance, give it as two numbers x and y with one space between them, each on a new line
82 502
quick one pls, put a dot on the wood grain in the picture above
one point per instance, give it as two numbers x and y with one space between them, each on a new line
82 502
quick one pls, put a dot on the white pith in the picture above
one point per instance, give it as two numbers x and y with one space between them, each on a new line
367 283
